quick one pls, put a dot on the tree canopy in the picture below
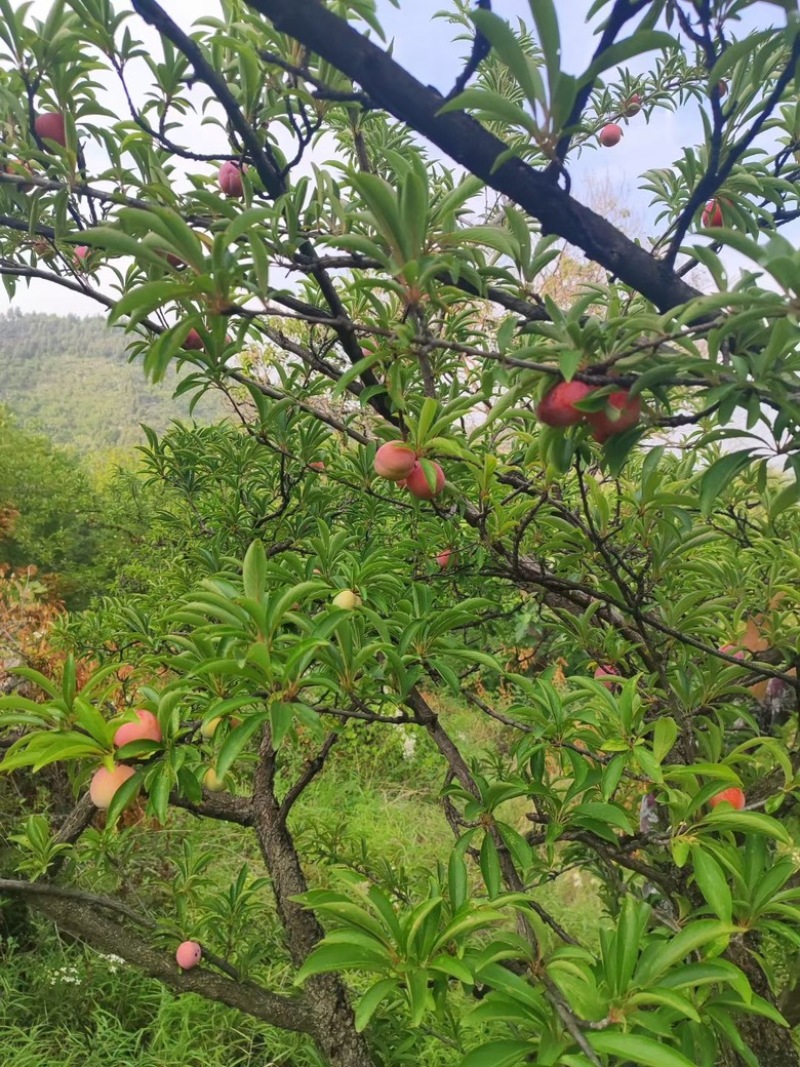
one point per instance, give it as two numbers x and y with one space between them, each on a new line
466 462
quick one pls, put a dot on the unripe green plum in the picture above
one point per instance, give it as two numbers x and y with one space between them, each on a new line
212 781
209 728
346 599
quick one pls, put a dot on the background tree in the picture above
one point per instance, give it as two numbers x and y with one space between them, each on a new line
325 266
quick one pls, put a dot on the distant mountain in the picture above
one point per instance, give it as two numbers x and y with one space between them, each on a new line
68 377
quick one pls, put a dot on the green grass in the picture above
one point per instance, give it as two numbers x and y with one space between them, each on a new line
65 1006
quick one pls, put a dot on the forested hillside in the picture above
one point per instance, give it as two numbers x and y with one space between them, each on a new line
69 378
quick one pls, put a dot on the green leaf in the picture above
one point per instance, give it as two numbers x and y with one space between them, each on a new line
236 740
418 996
122 798
659 958
371 1000
490 106
546 19
490 867
748 822
642 41
720 474
786 498
713 883
345 957
642 1051
457 882
254 572
664 735
499 1054
506 44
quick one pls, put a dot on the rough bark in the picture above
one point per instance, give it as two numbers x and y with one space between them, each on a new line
771 1043
333 1025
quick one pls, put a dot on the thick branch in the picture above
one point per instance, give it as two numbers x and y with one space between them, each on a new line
331 1015
82 920
220 806
468 143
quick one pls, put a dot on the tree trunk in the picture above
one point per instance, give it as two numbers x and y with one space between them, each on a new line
771 1043
332 1021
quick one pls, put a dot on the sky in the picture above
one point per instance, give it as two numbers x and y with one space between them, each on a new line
425 46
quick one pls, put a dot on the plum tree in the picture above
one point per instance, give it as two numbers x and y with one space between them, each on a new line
404 279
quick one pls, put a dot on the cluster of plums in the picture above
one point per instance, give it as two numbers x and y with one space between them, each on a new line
145 727
399 463
106 782
557 408
611 133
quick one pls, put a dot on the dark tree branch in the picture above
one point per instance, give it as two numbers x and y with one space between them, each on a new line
480 50
222 807
81 919
310 772
472 146
330 1015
